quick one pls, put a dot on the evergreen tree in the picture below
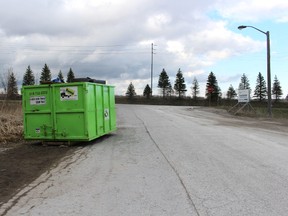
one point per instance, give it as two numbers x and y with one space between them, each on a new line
130 93
12 89
164 83
169 90
260 88
60 76
180 86
70 76
147 91
244 83
277 90
195 88
215 93
28 78
231 93
45 74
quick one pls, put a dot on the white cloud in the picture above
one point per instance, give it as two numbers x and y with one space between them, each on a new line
112 39
253 10
158 22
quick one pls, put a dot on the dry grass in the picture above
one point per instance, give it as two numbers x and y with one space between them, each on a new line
11 124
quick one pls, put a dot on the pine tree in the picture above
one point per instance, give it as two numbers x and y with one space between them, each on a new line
164 83
260 88
45 74
12 89
60 76
130 93
180 86
70 76
28 78
147 91
215 93
277 90
244 83
231 93
195 88
169 90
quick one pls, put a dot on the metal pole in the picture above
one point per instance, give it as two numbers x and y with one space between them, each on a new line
269 104
269 75
151 68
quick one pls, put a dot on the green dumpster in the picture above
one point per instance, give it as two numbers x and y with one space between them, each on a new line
79 111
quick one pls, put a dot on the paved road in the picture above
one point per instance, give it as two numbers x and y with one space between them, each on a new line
168 161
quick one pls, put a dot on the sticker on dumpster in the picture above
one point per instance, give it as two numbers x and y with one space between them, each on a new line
106 114
37 130
38 100
69 93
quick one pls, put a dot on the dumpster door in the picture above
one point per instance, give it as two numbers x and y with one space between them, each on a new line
38 112
70 111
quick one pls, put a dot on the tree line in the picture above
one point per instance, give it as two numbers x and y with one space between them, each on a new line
212 91
9 82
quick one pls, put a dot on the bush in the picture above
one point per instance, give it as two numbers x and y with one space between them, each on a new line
11 121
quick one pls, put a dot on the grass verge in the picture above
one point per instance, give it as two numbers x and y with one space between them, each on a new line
11 121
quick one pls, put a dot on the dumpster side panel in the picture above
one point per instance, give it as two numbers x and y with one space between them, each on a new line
112 108
91 110
70 107
39 126
37 112
106 109
71 126
109 109
99 110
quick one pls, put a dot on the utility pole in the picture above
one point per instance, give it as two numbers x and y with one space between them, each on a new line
152 53
269 75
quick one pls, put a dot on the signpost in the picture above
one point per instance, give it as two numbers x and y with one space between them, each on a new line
244 96
243 101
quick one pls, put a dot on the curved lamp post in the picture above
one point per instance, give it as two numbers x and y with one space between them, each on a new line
268 65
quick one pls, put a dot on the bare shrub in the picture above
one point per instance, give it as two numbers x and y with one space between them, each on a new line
11 124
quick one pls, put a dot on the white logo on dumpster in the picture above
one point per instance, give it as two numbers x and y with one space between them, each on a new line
69 93
106 114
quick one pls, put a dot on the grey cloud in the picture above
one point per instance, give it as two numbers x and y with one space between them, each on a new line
67 34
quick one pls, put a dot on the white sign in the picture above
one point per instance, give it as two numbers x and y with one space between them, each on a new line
244 96
38 100
69 93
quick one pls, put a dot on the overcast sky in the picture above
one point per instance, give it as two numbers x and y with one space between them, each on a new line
111 40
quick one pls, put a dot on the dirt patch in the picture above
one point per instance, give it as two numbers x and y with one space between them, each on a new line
20 164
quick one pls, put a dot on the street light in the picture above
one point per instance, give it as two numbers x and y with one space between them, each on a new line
268 65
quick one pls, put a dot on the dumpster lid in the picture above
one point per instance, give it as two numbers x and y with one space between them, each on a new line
88 79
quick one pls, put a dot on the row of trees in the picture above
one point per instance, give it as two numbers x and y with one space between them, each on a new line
213 91
260 91
29 78
9 82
